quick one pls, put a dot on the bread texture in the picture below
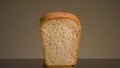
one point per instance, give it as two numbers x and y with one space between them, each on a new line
60 35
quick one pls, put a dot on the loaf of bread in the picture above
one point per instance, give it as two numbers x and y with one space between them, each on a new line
60 35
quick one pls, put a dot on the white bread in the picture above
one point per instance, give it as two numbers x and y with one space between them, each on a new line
60 35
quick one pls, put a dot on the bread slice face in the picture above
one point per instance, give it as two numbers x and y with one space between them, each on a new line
60 34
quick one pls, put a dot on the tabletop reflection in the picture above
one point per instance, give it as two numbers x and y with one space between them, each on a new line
59 67
39 63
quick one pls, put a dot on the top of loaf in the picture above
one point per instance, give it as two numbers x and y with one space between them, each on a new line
54 15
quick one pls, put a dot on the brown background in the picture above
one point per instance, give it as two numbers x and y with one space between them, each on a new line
19 26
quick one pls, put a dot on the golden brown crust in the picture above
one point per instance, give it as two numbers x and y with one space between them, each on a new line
53 15
59 65
59 15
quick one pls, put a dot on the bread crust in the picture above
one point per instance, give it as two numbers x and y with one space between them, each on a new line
60 15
